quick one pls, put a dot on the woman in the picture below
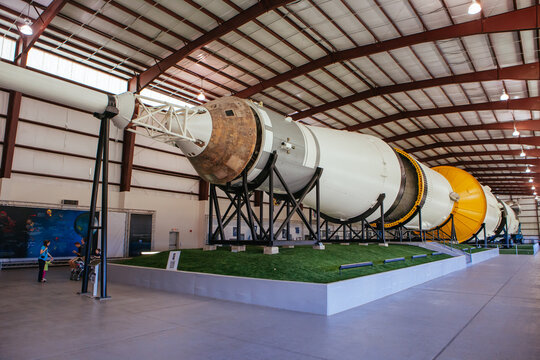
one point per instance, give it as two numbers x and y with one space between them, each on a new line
43 257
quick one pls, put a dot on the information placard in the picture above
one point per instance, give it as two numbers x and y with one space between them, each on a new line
174 258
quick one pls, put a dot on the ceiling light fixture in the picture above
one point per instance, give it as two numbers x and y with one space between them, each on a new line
201 95
474 8
26 28
527 170
504 96
532 187
530 180
534 193
516 132
522 154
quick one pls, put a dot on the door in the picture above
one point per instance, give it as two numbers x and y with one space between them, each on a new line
116 231
140 234
174 240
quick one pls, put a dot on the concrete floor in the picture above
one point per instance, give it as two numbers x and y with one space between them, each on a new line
489 311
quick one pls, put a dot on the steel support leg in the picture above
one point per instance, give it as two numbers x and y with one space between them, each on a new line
104 210
102 162
326 228
210 217
485 236
238 217
288 222
93 201
420 225
382 223
271 208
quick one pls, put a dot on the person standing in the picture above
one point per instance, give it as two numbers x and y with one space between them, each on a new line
43 257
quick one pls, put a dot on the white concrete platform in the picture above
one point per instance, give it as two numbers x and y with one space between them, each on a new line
323 299
480 256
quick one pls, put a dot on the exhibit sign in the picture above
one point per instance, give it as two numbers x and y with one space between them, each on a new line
95 280
174 259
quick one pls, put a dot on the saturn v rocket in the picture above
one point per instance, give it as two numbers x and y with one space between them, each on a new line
230 136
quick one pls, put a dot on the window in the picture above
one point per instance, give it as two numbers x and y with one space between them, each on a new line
161 97
7 48
69 69
72 70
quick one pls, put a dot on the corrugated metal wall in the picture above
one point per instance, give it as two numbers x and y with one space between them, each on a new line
529 215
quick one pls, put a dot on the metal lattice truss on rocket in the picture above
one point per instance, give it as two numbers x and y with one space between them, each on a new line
163 121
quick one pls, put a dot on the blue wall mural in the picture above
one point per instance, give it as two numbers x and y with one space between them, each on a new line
23 230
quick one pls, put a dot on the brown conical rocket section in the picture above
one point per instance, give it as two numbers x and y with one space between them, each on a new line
232 143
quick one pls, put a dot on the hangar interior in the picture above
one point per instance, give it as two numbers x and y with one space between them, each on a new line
347 66
449 82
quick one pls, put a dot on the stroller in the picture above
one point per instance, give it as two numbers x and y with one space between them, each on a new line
78 270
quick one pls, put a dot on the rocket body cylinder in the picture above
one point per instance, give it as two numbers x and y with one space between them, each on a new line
357 168
42 86
511 219
437 205
235 135
350 183
494 210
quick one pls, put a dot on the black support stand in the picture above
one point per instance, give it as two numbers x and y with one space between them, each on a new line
369 231
440 235
506 236
366 231
476 238
240 208
102 162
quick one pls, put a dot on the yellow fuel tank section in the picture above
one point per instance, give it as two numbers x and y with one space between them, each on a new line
470 210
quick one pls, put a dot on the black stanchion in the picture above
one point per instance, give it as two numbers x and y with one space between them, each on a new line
101 170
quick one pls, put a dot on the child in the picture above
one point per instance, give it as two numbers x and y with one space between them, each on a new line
44 256
45 269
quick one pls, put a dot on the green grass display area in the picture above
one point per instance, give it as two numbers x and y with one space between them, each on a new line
466 248
299 264
521 250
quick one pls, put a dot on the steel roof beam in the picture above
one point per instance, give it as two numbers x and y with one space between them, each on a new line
520 72
494 170
149 75
524 187
511 187
511 181
507 175
532 162
529 152
530 125
531 103
522 19
529 140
